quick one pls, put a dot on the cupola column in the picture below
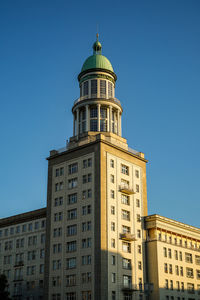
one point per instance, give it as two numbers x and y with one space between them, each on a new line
87 119
77 122
98 116
110 118
74 124
118 123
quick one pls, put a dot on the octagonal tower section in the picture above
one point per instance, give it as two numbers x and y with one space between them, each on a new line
97 110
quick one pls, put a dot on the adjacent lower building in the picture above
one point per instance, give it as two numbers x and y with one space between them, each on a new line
22 253
100 242
173 259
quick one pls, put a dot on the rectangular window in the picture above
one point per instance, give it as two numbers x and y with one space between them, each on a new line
112 226
71 246
94 88
189 273
188 257
137 188
102 88
137 203
71 296
112 194
71 263
125 199
124 169
190 288
113 277
169 253
126 247
112 164
113 260
113 243
72 183
176 254
72 198
126 263
197 259
198 274
73 168
137 174
85 88
110 90
112 210
125 215
72 214
112 178
71 230
126 229
165 252
138 218
127 281
71 280
58 201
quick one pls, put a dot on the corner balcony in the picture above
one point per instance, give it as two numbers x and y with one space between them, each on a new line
130 287
128 236
19 263
124 188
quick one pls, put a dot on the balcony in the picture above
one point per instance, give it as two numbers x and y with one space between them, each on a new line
19 263
145 288
128 236
130 287
124 188
18 278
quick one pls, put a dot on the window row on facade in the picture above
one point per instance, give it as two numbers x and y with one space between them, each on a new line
73 229
124 169
178 255
73 168
21 243
182 286
178 270
37 225
181 242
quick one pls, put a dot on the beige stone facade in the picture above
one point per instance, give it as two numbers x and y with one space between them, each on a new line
173 259
22 252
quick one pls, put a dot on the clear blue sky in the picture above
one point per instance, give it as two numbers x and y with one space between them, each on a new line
154 47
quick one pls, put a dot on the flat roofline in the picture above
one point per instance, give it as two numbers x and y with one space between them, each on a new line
171 221
64 150
24 217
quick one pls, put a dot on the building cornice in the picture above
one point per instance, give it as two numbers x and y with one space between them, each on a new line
24 217
157 218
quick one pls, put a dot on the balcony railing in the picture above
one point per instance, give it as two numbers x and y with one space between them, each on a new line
95 97
142 288
128 236
124 188
18 278
19 263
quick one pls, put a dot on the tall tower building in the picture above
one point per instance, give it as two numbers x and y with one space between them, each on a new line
96 198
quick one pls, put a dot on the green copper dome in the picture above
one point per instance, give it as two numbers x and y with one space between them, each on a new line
97 61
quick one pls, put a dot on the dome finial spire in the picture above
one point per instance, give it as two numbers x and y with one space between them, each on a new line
97 46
